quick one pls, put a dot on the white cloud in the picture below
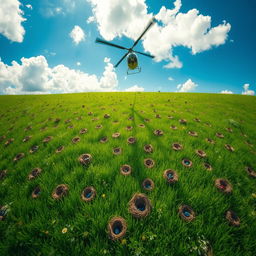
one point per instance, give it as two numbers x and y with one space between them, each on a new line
247 91
226 92
135 88
77 35
34 75
29 6
90 19
11 19
106 60
170 78
189 85
116 18
78 63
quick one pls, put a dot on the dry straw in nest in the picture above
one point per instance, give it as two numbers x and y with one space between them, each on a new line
59 149
158 132
47 139
36 192
140 206
148 184
85 159
131 140
76 140
18 157
193 133
60 191
117 151
148 148
223 185
207 166
83 131
88 194
170 176
229 148
186 162
200 153
149 163
117 228
250 171
186 213
126 169
177 146
104 139
219 135
232 218
34 173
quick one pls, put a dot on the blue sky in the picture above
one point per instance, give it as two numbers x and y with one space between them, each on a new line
223 60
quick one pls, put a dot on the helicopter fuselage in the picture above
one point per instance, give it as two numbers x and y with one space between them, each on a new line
132 61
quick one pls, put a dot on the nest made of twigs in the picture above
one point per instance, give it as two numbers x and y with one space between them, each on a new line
47 139
149 163
139 205
148 148
27 138
18 157
126 169
34 173
85 159
200 153
131 140
117 228
197 120
148 184
104 139
83 131
219 135
183 121
157 115
8 142
251 172
177 146
193 133
3 174
170 176
186 213
88 194
33 149
229 129
186 162
116 135
173 127
76 140
60 191
158 132
141 125
117 151
229 148
99 126
209 140
207 166
36 192
70 127
223 185
147 120
232 218
107 116
129 128
59 149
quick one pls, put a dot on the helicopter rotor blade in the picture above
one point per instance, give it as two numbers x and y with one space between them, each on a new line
121 60
145 54
143 33
101 41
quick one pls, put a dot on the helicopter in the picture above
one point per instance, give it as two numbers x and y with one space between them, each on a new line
132 59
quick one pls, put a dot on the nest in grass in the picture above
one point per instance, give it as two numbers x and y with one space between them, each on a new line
47 139
219 135
27 138
116 135
157 115
149 163
170 176
186 162
148 148
209 140
59 149
104 139
229 129
28 128
126 169
250 171
36 192
83 131
128 128
207 166
90 113
140 206
186 213
158 132
75 140
147 120
95 119
131 140
60 191
141 125
33 149
117 228
67 121
197 120
223 185
183 121
200 153
8 142
148 184
192 133
107 116
130 118
34 173
232 218
177 146
173 127
117 151
18 157
3 174
229 148
99 126
88 194
78 118
85 159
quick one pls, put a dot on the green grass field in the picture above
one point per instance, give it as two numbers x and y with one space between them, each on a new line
70 226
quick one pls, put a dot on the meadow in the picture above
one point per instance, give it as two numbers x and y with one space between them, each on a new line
214 133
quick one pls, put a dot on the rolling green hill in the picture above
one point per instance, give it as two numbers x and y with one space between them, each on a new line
215 134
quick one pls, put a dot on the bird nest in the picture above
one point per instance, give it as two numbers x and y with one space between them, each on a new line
250 171
47 139
170 176
116 135
177 146
104 139
117 228
187 213
129 128
186 162
60 191
83 131
148 184
148 148
158 116
76 140
125 169
149 163
117 151
18 157
207 166
107 116
229 148
183 121
209 140
158 132
131 140
140 206
197 120
99 126
173 127
223 185
8 142
147 120
141 125
3 174
34 173
85 159
59 149
33 149
193 133
90 113
232 218
200 153
36 192
88 194
27 138
219 135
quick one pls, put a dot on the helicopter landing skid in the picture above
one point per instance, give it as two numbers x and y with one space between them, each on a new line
133 71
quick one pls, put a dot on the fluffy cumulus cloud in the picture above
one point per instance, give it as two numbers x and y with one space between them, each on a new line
34 75
226 92
116 18
11 20
189 85
134 88
77 35
247 91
